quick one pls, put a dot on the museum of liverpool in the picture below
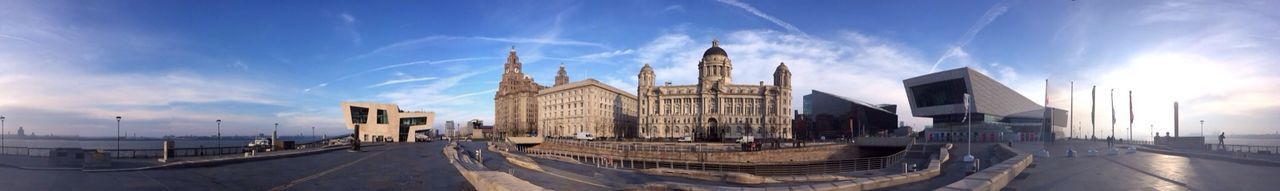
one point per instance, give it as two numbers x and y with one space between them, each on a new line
997 112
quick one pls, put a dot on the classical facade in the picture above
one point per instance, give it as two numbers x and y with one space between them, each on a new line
585 106
386 122
715 109
515 105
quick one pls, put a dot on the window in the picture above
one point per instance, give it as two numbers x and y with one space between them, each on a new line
359 115
382 116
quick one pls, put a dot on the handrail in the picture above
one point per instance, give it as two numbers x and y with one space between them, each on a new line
157 153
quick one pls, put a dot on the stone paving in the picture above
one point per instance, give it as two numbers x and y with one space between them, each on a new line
1136 171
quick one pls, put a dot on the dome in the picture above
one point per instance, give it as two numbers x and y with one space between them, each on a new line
715 49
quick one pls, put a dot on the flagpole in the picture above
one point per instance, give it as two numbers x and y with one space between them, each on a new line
1113 115
1093 114
1071 115
968 155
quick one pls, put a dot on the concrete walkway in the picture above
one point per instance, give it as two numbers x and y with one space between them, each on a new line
1136 171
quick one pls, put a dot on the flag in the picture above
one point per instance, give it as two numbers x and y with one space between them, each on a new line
1093 111
1130 107
966 108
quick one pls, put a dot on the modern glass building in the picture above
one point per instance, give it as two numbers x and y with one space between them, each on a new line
998 112
831 116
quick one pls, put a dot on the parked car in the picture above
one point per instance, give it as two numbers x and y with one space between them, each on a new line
259 144
747 139
685 139
583 136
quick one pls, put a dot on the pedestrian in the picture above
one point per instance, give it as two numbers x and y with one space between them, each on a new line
1222 140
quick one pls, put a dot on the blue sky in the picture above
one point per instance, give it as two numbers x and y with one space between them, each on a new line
173 67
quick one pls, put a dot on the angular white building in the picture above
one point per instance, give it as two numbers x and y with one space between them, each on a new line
386 122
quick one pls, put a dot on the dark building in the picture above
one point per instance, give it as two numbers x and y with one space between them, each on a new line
996 111
831 116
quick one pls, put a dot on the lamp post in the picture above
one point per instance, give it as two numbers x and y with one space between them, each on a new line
117 133
1202 128
313 132
1 131
219 132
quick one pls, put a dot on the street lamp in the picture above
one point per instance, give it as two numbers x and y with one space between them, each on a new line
1202 128
219 132
117 133
1 131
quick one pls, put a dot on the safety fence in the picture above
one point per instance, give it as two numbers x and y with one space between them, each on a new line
157 153
615 157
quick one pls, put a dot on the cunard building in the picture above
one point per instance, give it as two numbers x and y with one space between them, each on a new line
515 104
715 109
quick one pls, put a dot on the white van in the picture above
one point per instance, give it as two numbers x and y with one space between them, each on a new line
747 139
583 136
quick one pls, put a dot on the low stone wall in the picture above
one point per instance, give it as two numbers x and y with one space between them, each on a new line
866 183
488 180
995 177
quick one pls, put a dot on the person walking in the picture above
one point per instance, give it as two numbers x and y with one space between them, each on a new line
1222 140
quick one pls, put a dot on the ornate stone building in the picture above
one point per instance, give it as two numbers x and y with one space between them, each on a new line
585 106
715 109
515 105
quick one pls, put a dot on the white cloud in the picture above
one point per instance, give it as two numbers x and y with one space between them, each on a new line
240 65
957 49
400 81
762 15
545 40
606 55
679 8
349 27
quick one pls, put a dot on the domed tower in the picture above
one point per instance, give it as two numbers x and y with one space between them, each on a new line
561 76
782 76
646 78
715 65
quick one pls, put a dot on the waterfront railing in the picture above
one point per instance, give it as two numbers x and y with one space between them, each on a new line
157 153
615 156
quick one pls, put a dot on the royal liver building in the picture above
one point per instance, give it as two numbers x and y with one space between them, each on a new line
515 111
715 109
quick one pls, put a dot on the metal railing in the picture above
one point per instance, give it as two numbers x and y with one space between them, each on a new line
157 153
1245 148
615 157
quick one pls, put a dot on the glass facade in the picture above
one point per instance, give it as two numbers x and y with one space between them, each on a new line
940 93
382 116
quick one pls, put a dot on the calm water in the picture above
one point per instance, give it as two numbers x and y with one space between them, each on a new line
126 144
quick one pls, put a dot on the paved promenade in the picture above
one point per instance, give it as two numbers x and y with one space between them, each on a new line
419 166
1137 171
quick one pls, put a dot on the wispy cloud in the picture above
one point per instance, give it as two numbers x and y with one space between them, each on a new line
606 55
511 40
674 8
762 15
240 65
957 49
349 27
321 85
399 81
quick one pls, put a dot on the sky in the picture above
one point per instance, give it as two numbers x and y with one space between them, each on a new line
174 67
